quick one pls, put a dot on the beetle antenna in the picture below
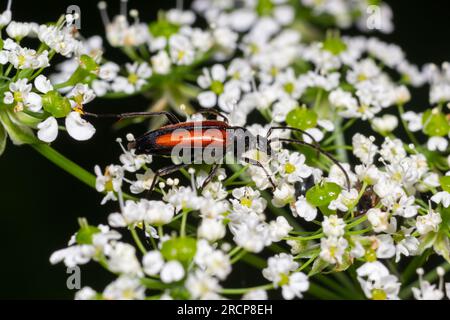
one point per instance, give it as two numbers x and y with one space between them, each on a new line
293 129
326 154
172 118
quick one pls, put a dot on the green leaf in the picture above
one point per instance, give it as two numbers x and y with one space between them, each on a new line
2 139
18 134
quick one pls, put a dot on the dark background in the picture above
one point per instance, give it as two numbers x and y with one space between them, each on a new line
39 203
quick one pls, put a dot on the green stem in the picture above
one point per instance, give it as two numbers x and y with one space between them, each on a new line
137 240
340 141
245 290
307 263
183 223
234 251
314 237
67 165
238 256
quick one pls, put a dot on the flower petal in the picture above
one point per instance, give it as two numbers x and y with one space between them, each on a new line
48 130
43 84
78 128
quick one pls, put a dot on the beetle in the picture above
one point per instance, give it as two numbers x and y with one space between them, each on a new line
216 136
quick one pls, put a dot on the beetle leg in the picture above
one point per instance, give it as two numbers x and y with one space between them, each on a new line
165 171
211 175
259 164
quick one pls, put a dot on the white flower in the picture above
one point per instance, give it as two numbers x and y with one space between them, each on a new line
172 271
298 283
73 256
378 219
376 281
152 262
108 71
183 198
161 62
428 291
405 207
143 182
385 124
248 200
158 212
413 120
385 246
332 249
78 128
43 84
138 73
437 144
124 288
279 267
250 233
442 197
122 259
364 148
211 229
337 176
283 194
304 209
24 58
86 293
429 222
20 94
59 39
345 200
409 246
293 167
111 180
80 95
48 130
217 91
181 50
214 262
279 229
333 226
202 286
392 150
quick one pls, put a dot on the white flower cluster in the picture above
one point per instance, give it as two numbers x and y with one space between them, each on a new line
30 101
383 202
